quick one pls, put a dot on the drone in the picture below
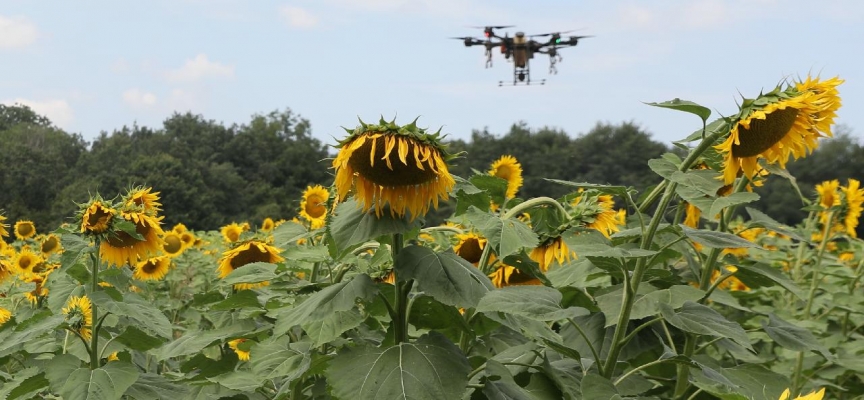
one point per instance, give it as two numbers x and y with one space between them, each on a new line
521 49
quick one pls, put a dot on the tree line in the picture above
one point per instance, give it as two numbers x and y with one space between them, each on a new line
211 174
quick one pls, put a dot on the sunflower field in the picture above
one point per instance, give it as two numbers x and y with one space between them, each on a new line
683 291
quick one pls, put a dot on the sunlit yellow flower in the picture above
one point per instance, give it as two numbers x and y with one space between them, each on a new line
96 218
692 215
50 244
172 244
811 396
403 167
188 239
24 229
79 315
509 169
179 228
3 227
6 270
26 261
141 199
121 248
39 291
606 221
247 253
732 283
268 224
113 357
470 247
313 207
152 269
829 193
553 250
854 200
5 315
779 125
243 355
231 232
506 275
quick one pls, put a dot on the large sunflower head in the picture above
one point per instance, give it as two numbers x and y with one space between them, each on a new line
510 170
26 261
79 315
121 247
778 125
470 247
404 167
231 232
24 229
313 207
152 269
142 199
96 216
247 253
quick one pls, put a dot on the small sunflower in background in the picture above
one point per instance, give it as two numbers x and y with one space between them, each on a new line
39 292
96 216
188 238
237 345
6 270
509 169
403 167
247 253
506 275
26 261
731 283
3 227
50 244
313 207
144 199
179 228
5 316
692 214
597 212
267 225
844 201
152 269
24 230
79 315
470 247
778 125
231 232
172 244
121 248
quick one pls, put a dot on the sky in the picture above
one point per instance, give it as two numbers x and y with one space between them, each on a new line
111 64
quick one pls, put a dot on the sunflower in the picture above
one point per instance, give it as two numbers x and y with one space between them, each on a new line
173 244
179 228
121 248
39 291
79 315
246 253
26 261
152 269
749 234
692 215
731 283
3 227
779 125
267 225
96 217
232 231
854 200
470 247
6 270
553 250
50 244
24 229
408 179
389 279
141 199
810 396
506 275
510 170
243 355
598 213
313 207
188 239
5 315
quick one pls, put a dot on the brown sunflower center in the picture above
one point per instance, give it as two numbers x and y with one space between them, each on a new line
97 218
503 173
470 250
24 263
379 173
123 239
315 206
50 244
172 244
249 256
25 229
187 238
150 267
764 133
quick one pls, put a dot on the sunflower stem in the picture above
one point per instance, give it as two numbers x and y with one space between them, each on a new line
400 300
94 338
537 201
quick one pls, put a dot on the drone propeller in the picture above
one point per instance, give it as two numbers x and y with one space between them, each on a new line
552 34
493 27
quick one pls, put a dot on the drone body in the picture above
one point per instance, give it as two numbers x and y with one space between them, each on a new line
521 49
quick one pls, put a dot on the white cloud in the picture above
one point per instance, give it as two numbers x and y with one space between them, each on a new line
297 17
17 32
58 111
137 98
199 68
120 66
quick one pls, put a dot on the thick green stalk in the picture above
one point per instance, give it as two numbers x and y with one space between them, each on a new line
94 330
400 300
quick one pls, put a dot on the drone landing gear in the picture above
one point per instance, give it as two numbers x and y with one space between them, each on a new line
522 75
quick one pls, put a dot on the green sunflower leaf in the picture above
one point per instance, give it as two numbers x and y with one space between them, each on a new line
24 383
443 275
498 384
73 247
251 273
350 226
277 357
605 189
793 337
331 327
194 341
338 297
108 382
430 368
137 339
136 308
536 302
758 218
155 387
715 239
759 274
508 236
701 320
733 199
685 106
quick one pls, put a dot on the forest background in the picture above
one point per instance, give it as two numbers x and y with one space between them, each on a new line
211 174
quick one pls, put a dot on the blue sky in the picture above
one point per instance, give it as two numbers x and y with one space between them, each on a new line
108 64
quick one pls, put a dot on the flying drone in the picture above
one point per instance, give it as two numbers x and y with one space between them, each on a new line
521 49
